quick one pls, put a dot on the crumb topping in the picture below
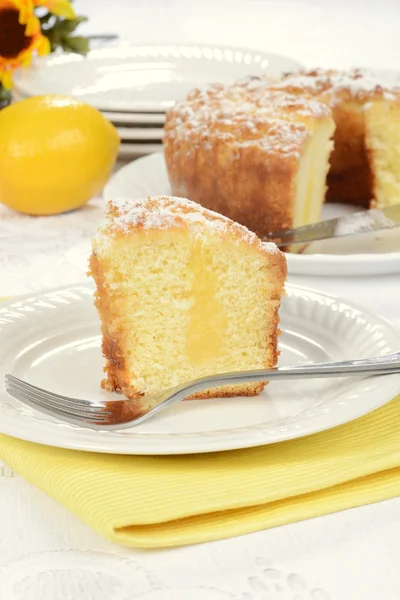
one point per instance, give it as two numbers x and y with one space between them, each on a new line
125 216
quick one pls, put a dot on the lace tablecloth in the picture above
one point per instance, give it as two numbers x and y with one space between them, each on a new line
36 251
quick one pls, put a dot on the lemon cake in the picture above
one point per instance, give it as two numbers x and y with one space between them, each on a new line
183 292
365 106
256 155
260 152
382 141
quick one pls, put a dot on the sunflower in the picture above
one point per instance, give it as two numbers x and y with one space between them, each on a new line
20 33
60 8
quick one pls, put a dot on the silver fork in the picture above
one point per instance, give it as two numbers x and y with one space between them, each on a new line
118 414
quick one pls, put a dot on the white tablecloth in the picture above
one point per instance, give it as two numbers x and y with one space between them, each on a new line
45 552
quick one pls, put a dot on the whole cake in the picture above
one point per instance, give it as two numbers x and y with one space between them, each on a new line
183 292
258 156
259 152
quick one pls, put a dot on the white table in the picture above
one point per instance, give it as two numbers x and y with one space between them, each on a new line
352 555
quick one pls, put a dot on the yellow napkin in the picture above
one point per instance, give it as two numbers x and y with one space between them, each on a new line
158 501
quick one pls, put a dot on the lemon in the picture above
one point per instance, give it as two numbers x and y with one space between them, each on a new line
55 154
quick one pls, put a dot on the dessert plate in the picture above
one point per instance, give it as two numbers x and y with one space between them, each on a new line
128 150
52 339
144 78
376 253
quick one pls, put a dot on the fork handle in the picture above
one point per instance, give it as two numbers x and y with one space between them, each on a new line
377 365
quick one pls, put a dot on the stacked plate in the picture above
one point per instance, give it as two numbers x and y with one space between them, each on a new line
134 86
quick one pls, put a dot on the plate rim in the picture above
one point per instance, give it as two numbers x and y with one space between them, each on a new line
63 436
168 44
297 263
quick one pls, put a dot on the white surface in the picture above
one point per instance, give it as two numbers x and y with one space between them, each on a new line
144 78
46 337
46 553
314 32
344 256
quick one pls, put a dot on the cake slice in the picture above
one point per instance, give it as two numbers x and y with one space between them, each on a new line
382 140
183 292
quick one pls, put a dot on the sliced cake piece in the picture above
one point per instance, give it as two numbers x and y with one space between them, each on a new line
382 140
183 292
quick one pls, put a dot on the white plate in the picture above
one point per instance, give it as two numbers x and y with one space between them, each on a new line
135 150
372 254
52 340
140 133
144 78
121 118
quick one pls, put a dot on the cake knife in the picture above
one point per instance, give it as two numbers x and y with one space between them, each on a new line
365 221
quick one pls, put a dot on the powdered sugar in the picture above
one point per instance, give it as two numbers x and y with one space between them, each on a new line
363 221
357 82
254 111
239 131
244 114
125 216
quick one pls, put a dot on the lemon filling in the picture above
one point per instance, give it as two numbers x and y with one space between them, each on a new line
206 318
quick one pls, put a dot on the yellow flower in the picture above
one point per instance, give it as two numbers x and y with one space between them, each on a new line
26 15
61 8
20 38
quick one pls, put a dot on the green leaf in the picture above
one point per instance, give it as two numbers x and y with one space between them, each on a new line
5 96
78 44
69 25
59 32
54 38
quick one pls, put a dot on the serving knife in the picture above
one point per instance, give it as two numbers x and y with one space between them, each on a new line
374 219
